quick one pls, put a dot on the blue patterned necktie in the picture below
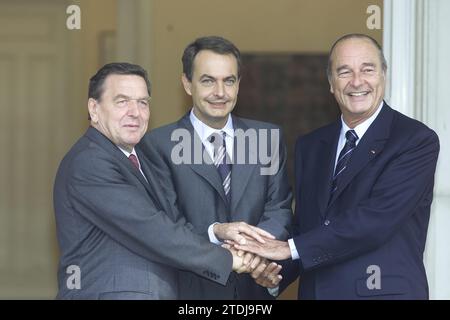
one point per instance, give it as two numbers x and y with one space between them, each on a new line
220 161
343 159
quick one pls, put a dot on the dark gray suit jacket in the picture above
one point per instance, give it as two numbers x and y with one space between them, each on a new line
195 190
119 230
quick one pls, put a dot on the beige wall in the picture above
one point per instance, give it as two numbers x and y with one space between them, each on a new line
98 17
43 86
253 25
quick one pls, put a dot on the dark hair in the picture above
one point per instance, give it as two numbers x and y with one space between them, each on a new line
122 68
357 36
214 43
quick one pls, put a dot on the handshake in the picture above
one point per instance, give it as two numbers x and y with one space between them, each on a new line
251 248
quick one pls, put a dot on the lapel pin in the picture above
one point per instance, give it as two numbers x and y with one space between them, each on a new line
372 151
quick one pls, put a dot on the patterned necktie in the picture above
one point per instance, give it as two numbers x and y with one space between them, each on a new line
220 161
134 161
343 159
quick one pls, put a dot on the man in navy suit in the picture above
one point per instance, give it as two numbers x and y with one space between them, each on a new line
364 187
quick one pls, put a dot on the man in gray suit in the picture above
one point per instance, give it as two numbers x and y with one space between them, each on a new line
207 173
118 237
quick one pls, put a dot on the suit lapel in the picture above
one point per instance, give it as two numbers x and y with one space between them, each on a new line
150 184
240 173
207 171
138 174
370 146
325 164
96 136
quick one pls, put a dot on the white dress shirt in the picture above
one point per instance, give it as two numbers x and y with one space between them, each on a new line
204 132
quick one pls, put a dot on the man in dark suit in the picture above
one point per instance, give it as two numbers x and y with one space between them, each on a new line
364 187
212 181
118 237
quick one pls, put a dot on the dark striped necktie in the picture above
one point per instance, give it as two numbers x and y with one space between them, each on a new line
220 161
343 159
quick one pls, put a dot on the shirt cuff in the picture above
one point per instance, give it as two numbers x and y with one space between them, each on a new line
212 236
274 291
294 253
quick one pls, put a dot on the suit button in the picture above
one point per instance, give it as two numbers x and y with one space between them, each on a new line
327 222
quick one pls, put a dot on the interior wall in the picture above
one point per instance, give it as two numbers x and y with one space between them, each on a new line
98 18
43 88
254 26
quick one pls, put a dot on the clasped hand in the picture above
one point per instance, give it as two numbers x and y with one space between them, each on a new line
264 273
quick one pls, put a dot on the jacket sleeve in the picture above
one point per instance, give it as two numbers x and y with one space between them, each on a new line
404 184
99 191
162 171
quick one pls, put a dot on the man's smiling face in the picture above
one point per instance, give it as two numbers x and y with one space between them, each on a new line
357 79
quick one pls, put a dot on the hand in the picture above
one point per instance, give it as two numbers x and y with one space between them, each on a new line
238 258
267 275
250 262
243 262
237 231
272 249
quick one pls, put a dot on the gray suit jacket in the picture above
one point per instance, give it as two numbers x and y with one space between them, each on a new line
119 230
196 192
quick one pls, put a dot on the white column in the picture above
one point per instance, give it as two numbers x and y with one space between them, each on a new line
417 48
436 113
399 45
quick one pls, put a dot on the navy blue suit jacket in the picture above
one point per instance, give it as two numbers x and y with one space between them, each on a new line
376 220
